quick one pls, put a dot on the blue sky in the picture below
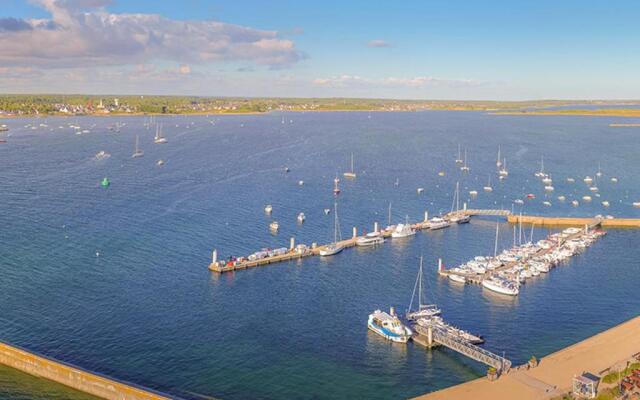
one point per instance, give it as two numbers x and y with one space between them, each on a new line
412 49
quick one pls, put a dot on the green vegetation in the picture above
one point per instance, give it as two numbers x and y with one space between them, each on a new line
17 385
612 377
23 105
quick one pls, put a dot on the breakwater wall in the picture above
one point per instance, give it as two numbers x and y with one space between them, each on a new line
577 222
73 377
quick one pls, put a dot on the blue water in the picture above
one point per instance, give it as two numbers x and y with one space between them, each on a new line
147 309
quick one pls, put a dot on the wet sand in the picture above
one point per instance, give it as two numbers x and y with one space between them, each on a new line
553 375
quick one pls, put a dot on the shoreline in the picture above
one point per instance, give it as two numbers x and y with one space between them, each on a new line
552 377
628 113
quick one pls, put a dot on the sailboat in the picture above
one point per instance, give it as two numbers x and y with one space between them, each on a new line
458 217
158 138
424 310
333 248
459 159
488 188
138 152
541 174
352 173
465 167
498 161
503 171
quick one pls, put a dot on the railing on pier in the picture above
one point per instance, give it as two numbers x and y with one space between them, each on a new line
499 213
465 348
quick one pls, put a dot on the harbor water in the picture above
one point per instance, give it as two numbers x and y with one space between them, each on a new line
114 278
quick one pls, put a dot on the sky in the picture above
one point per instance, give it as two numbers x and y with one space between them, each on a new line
413 49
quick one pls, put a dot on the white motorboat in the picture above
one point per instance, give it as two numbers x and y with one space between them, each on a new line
438 223
549 188
101 155
457 278
268 208
546 203
614 180
388 326
575 203
274 226
501 286
571 180
301 218
370 239
561 198
403 230
420 190
586 198
473 193
519 201
160 163
588 180
605 203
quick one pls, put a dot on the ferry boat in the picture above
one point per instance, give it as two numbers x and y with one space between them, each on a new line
438 223
351 174
501 286
388 326
424 310
137 151
158 138
370 239
403 230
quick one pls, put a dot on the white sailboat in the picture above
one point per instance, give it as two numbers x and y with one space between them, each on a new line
158 138
503 171
335 247
137 152
351 174
458 217
459 159
424 310
465 167
541 174
488 188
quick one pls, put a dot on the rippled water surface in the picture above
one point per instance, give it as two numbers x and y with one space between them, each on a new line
115 280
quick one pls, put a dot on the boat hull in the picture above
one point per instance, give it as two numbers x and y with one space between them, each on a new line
394 337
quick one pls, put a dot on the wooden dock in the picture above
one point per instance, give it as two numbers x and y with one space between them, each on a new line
294 252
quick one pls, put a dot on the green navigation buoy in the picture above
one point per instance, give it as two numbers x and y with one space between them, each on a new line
105 182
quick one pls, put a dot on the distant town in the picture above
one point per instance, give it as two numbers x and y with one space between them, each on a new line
34 105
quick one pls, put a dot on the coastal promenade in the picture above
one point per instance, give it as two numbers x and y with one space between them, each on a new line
74 377
552 377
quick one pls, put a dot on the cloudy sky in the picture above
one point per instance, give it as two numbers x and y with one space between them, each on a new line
420 49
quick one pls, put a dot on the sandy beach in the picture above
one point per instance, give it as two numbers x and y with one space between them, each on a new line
553 375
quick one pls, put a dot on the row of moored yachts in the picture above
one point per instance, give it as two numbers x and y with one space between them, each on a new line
512 267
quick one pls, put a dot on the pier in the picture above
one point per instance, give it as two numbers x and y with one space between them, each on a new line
430 336
300 251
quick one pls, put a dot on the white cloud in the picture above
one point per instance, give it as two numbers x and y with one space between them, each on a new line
73 37
344 81
379 43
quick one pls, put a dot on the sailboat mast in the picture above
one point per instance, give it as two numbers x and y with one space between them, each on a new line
457 196
351 162
420 285
389 214
335 222
495 246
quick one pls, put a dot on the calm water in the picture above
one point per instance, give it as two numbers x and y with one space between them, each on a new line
147 310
